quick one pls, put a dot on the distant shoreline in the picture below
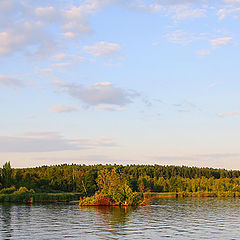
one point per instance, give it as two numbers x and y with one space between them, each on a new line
74 197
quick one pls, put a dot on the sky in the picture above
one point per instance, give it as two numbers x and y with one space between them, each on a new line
117 81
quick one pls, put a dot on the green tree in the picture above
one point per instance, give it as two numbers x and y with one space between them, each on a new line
115 186
7 175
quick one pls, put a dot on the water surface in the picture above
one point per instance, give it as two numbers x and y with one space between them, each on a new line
189 218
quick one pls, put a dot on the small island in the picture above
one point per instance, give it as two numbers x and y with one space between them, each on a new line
113 191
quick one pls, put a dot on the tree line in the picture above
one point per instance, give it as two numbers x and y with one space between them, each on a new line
140 178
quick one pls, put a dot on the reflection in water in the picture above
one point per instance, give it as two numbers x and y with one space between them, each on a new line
189 218
113 215
11 218
110 219
6 221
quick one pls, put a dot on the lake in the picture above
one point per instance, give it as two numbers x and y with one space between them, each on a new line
187 218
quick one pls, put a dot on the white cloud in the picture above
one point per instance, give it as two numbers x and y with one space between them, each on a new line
101 49
60 108
73 21
24 27
7 81
99 93
76 21
220 41
49 142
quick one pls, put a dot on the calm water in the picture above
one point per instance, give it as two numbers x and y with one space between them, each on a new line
164 218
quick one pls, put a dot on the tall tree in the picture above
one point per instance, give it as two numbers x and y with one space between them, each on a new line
7 175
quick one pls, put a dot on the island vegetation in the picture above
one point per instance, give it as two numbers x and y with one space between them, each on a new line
114 183
113 191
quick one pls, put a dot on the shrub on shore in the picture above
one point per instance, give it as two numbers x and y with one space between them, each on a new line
8 190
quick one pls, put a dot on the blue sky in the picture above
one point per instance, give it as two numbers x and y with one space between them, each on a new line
116 81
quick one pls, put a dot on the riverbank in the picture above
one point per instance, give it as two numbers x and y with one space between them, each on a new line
40 197
150 195
67 197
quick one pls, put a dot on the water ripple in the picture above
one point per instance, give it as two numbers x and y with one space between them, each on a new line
163 219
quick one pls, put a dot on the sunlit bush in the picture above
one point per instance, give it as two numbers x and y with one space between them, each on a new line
8 190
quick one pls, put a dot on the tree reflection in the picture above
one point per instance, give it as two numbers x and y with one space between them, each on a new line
6 219
110 215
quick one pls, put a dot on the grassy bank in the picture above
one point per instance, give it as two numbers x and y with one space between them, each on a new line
149 195
40 197
67 197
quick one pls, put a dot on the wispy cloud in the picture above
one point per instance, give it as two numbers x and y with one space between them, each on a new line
181 37
8 81
226 114
63 59
61 64
60 56
143 6
102 49
217 159
226 12
44 70
49 142
186 106
212 85
186 12
60 108
220 41
110 108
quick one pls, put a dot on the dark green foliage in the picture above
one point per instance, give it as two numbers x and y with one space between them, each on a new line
140 178
6 175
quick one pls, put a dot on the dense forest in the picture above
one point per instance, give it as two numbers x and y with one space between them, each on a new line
140 178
